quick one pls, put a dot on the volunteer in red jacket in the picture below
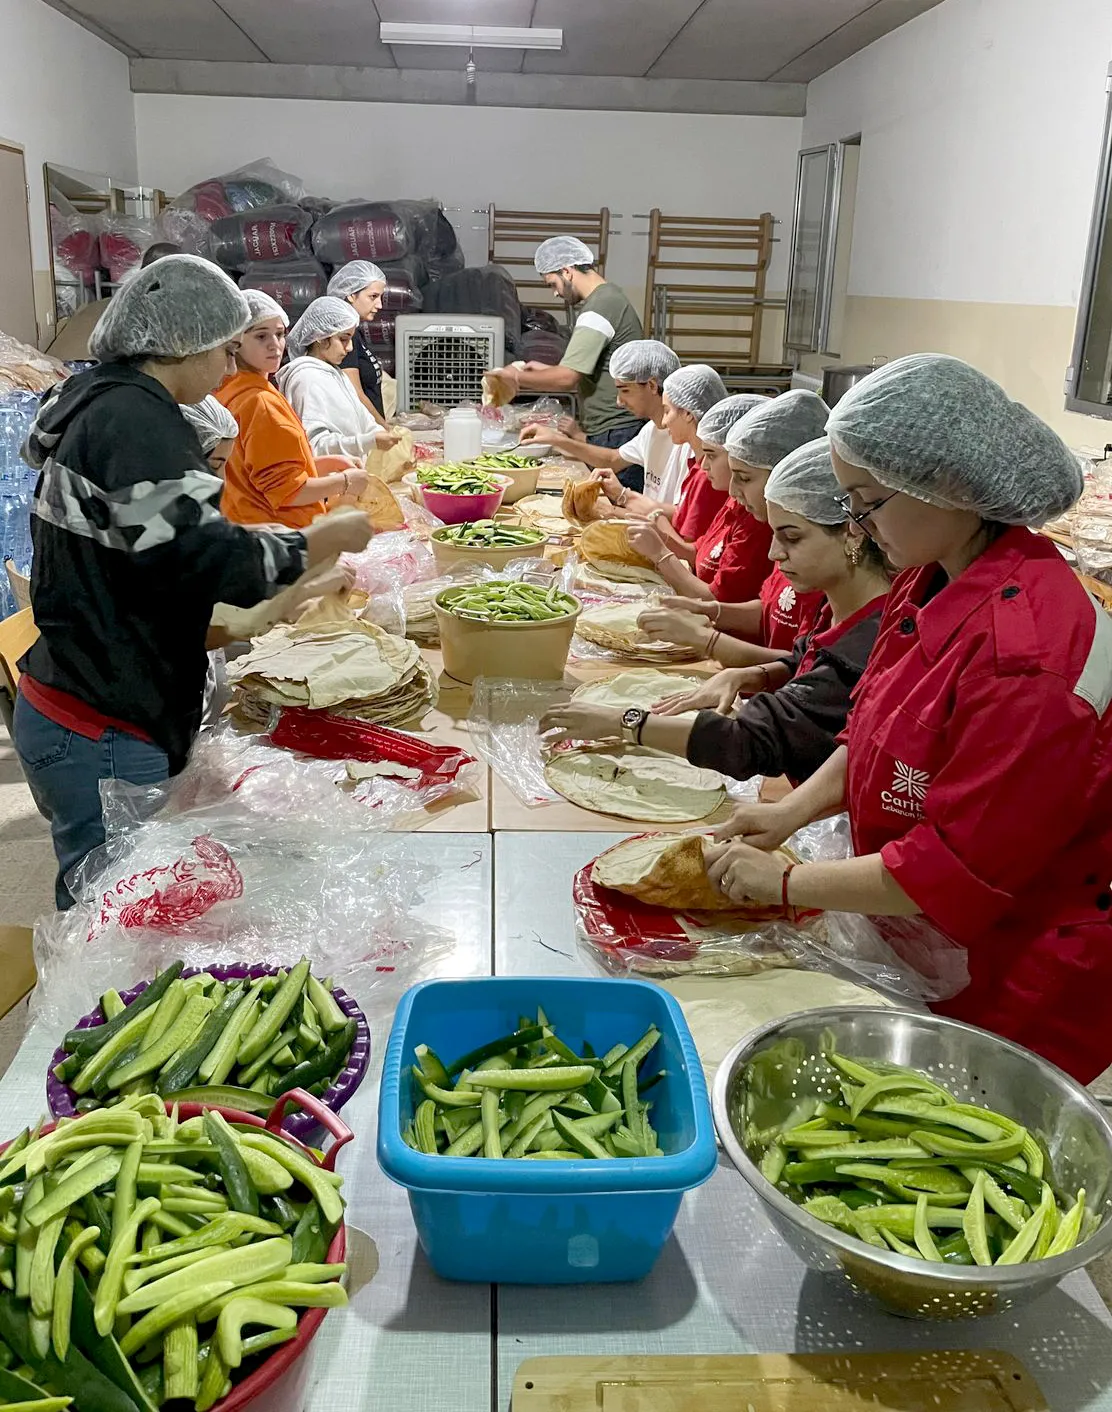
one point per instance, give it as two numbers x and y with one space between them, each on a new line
978 767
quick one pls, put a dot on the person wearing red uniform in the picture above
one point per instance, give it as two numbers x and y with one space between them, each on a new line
977 765
762 630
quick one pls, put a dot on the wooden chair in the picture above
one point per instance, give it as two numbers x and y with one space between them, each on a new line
17 634
20 585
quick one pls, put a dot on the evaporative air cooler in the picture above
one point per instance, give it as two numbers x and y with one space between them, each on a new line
441 358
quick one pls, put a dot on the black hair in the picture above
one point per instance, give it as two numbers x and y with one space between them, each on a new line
158 251
870 551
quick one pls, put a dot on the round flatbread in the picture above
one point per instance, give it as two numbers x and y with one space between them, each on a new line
642 686
636 783
543 512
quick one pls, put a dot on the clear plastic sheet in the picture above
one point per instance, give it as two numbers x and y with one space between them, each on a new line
391 560
906 957
259 183
215 886
504 724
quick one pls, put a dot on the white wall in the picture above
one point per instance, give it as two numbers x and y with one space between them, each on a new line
65 98
468 157
981 124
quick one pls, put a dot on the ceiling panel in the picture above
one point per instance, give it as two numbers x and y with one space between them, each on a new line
171 29
619 37
456 12
751 39
879 19
313 31
453 59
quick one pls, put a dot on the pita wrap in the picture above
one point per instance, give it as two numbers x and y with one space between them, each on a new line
605 543
543 512
665 870
390 465
643 686
380 505
635 783
580 501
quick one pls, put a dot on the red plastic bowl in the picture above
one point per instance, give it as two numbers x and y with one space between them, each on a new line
461 509
278 1383
62 1100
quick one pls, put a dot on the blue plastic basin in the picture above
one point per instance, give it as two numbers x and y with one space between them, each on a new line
516 1222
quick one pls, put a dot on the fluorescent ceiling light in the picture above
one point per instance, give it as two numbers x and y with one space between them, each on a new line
472 36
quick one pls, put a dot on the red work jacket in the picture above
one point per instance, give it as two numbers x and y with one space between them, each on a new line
785 613
980 768
732 557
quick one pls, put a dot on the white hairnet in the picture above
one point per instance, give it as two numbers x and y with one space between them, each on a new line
263 309
766 435
804 483
643 359
323 318
176 307
561 252
212 422
695 388
940 431
351 278
716 423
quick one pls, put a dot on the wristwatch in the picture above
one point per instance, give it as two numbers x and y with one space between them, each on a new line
633 723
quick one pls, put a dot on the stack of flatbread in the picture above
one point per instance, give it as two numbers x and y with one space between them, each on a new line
544 513
633 782
614 626
580 502
668 870
641 686
420 618
329 661
592 580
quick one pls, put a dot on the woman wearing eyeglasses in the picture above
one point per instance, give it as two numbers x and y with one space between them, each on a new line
977 765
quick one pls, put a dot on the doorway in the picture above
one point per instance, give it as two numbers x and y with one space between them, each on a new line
17 285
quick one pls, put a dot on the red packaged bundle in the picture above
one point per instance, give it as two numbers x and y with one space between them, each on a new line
328 737
267 234
363 230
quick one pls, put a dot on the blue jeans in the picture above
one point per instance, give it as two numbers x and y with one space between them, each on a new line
633 476
64 771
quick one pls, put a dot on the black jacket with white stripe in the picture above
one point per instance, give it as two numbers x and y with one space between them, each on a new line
131 553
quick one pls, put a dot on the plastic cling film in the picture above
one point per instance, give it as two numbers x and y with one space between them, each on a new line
504 726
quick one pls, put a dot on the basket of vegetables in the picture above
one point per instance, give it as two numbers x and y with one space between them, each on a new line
484 542
946 1171
505 628
155 1257
523 470
458 493
239 1036
544 1145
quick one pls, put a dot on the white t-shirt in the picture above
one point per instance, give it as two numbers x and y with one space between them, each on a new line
665 463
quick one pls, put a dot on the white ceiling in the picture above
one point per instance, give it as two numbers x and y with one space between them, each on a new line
730 40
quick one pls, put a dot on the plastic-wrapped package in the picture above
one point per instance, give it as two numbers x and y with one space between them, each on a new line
259 183
504 726
400 296
538 346
381 334
292 283
486 289
395 558
217 886
1091 536
440 266
268 233
364 230
182 228
75 239
906 957
123 240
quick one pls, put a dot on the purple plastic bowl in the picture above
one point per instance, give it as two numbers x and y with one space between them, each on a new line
63 1101
461 509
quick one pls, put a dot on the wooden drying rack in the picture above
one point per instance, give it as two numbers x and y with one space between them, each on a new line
509 231
717 320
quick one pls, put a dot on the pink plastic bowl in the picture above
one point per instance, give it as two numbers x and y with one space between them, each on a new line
460 509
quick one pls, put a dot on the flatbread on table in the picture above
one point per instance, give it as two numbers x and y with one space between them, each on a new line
591 579
667 870
640 686
543 512
635 783
606 542
614 627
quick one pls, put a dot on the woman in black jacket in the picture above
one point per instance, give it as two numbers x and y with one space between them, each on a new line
132 552
796 708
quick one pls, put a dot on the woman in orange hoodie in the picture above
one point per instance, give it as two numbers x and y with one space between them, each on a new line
272 476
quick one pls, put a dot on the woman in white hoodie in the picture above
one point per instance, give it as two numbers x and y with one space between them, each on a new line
331 411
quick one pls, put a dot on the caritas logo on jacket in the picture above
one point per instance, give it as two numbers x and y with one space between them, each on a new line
907 793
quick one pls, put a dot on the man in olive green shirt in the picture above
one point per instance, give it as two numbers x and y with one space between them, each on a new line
605 320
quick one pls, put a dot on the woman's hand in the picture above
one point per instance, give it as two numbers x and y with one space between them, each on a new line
645 540
580 721
684 628
612 487
718 693
386 438
355 481
744 873
764 826
340 579
705 607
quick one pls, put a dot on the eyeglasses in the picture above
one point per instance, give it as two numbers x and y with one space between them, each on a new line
845 504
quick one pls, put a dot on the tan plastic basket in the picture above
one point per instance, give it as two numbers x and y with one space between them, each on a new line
528 651
450 556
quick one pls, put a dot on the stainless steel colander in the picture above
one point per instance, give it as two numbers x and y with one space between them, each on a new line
773 1069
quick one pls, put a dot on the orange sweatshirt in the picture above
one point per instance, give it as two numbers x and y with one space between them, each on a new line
271 460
